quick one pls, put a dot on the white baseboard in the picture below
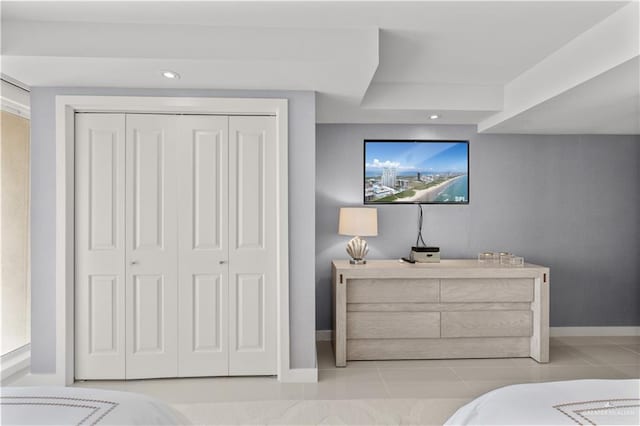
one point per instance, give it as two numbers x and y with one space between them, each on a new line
594 331
31 379
295 375
300 375
326 335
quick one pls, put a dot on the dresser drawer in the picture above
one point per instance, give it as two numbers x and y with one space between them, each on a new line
489 347
487 324
487 290
393 325
392 290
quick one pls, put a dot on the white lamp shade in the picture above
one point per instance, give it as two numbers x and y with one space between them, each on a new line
358 221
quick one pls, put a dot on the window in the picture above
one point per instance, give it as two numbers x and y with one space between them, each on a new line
15 294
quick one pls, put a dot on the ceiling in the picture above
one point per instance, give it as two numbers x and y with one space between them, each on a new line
506 66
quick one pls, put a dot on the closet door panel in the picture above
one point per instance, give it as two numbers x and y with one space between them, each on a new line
206 308
100 246
250 306
203 240
148 306
208 184
252 262
148 181
250 187
152 246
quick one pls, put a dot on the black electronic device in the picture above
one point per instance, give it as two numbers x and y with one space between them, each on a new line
421 253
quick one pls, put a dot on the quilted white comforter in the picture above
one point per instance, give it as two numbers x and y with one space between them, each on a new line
82 406
576 402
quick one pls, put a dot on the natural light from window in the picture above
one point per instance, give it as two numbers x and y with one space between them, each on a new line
14 228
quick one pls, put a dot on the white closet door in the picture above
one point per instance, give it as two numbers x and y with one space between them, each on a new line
100 246
252 250
151 238
203 246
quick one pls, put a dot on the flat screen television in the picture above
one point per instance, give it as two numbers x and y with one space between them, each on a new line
416 172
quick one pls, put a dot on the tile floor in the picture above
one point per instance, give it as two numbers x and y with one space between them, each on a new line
383 392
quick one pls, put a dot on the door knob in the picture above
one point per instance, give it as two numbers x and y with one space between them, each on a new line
222 262
134 262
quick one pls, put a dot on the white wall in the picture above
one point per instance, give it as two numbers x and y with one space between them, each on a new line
301 215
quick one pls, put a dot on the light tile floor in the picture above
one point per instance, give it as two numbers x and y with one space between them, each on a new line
383 392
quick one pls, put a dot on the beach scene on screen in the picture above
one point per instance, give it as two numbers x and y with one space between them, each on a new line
416 172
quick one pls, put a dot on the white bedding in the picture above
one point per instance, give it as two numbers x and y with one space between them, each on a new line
82 406
600 402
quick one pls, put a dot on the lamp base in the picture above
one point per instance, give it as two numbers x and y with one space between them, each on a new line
357 248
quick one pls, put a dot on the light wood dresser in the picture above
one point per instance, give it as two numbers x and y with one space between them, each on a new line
388 309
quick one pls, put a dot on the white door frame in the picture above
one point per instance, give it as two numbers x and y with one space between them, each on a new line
66 107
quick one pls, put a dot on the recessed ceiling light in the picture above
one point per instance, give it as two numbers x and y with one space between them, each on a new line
170 74
434 116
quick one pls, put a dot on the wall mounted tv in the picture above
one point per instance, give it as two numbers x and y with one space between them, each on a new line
416 172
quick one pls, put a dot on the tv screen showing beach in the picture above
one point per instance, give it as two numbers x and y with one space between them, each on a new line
416 172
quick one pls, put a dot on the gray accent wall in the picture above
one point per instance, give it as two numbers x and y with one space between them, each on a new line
568 202
301 215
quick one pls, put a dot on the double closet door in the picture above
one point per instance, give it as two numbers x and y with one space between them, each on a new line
175 246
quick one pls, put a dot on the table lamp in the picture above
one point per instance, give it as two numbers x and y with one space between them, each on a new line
358 222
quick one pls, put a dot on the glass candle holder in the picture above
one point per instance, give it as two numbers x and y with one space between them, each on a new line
504 255
487 257
514 261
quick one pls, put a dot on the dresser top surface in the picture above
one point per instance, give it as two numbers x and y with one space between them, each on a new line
444 264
